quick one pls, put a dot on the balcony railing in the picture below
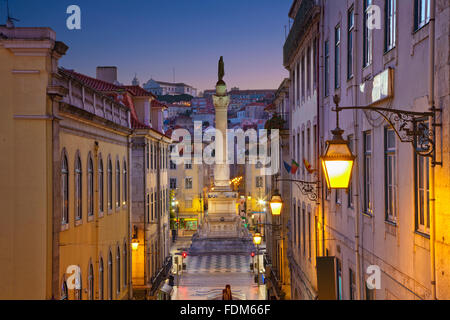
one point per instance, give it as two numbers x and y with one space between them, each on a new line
161 276
305 14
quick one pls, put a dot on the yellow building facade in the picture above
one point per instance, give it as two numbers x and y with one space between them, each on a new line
64 176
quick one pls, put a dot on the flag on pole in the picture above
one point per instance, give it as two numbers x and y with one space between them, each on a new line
295 166
287 167
308 166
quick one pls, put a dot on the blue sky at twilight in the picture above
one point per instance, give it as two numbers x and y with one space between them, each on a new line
153 37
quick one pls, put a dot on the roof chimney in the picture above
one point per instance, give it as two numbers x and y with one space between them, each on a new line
108 74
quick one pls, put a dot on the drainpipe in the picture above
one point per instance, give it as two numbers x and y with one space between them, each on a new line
319 120
356 169
130 221
433 162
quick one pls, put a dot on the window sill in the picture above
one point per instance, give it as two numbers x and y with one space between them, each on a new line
391 223
101 214
78 222
419 35
422 234
90 218
65 226
367 215
390 55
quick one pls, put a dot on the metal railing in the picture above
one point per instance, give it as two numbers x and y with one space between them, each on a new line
161 276
302 20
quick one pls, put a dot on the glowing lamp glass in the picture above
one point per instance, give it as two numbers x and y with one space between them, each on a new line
257 239
276 204
135 245
337 164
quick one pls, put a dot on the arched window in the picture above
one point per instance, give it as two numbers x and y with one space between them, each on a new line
101 191
110 181
125 183
64 291
91 282
118 184
125 265
65 191
118 270
101 280
110 276
90 186
78 189
79 292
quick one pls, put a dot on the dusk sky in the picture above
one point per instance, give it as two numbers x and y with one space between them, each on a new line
153 37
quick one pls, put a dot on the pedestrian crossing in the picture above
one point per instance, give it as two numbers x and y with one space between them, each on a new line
218 264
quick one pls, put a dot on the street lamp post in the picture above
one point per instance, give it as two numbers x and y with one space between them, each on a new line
257 241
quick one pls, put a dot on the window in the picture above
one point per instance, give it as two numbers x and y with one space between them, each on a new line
390 176
110 182
118 270
188 166
153 205
125 265
303 152
352 284
309 235
304 230
350 187
147 156
337 57
367 34
151 156
90 185
367 172
327 69
78 190
390 24
188 183
339 278
298 229
101 280
294 224
110 276
64 291
351 28
422 192
298 84
118 184
79 292
421 13
308 71
125 183
101 187
147 207
338 197
173 166
91 289
303 78
259 182
173 183
65 190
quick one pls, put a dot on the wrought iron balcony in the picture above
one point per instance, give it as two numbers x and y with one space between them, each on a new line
305 14
161 276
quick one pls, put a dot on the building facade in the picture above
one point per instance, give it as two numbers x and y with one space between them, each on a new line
388 219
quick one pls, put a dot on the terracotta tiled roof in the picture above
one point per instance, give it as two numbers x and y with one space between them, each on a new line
157 104
121 94
95 84
139 91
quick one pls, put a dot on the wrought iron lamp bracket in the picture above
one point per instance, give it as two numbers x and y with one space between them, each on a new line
307 188
409 127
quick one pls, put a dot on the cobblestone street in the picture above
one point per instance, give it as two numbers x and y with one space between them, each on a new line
206 276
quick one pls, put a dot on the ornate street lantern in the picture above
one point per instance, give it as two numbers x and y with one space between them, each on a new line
257 239
276 203
337 162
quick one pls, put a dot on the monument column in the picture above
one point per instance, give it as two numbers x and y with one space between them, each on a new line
221 170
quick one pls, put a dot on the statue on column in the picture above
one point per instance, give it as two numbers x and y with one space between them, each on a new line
221 72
